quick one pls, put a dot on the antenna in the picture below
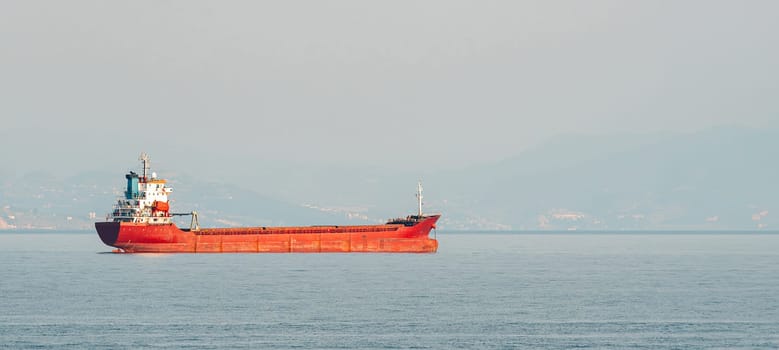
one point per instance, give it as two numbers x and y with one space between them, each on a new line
419 197
145 159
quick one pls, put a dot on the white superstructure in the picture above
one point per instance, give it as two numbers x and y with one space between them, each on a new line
145 200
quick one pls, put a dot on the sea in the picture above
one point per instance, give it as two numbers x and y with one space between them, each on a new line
480 291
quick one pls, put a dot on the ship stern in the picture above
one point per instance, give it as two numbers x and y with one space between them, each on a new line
108 232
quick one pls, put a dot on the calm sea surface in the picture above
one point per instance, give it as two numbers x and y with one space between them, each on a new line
649 291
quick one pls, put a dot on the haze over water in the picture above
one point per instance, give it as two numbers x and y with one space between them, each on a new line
517 115
653 291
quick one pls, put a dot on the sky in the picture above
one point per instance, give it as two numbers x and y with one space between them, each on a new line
236 84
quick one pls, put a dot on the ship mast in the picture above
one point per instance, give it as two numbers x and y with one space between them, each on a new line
419 197
145 159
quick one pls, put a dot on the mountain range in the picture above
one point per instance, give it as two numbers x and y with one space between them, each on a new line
723 178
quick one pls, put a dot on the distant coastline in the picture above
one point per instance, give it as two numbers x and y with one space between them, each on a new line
499 232
614 232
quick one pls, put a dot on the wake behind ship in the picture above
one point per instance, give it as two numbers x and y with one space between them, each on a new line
141 223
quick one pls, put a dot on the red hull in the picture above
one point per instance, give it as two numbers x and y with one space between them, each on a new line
390 238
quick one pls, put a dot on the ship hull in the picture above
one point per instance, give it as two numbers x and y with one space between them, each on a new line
168 238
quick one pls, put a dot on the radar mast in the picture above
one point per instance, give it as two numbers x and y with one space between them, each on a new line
145 159
419 197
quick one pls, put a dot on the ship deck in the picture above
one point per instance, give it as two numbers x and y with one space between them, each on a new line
295 230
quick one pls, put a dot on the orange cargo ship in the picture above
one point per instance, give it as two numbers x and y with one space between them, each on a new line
141 223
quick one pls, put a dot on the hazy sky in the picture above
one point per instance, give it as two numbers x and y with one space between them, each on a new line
441 82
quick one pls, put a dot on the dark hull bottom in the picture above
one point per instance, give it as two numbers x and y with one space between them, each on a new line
141 238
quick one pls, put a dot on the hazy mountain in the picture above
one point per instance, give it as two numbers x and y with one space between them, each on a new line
43 200
724 178
719 178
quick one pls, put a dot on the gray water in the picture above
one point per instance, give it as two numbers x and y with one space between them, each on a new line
649 291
